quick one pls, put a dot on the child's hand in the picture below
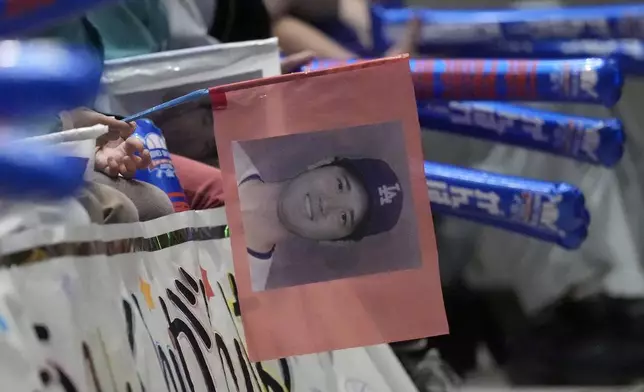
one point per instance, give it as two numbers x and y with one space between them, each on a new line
84 117
119 157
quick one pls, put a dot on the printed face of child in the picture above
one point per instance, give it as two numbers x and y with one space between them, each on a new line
323 204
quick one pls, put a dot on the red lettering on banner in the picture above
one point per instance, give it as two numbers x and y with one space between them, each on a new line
516 87
511 79
467 80
522 79
15 8
424 79
456 77
508 77
474 77
445 79
453 78
532 76
459 75
513 89
478 78
489 81
431 71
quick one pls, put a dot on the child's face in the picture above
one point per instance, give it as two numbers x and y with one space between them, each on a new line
326 203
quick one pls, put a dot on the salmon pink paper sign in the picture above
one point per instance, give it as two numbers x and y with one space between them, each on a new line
332 235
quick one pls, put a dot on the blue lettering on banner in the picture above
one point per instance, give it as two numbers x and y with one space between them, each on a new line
457 197
528 208
487 117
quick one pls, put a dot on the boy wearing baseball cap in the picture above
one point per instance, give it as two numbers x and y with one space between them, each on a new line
340 199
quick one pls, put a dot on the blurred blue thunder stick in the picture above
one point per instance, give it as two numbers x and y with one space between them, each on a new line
31 174
594 80
487 26
37 80
597 141
17 16
552 212
42 78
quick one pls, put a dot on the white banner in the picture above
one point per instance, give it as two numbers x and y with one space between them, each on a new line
149 307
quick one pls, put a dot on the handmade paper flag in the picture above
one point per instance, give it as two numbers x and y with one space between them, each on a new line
328 209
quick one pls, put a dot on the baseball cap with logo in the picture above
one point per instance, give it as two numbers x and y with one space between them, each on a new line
384 195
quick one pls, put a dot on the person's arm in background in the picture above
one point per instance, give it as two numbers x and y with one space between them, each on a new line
409 42
295 35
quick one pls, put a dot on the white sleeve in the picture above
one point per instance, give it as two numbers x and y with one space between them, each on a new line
259 270
244 167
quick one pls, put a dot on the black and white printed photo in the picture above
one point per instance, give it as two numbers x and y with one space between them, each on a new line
326 205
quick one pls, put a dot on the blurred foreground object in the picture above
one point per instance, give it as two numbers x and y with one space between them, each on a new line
43 78
19 15
47 167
